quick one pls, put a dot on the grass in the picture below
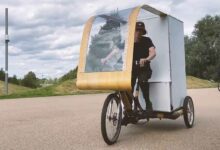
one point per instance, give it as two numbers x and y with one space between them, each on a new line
65 88
12 88
196 83
69 88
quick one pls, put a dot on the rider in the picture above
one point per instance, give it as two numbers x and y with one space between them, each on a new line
144 52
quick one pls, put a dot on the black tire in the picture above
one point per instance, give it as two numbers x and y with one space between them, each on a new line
188 112
113 118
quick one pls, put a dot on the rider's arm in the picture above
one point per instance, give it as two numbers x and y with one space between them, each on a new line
152 54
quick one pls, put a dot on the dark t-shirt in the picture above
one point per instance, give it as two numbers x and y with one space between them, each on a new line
141 48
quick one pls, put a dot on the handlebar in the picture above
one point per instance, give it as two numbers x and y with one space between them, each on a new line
137 64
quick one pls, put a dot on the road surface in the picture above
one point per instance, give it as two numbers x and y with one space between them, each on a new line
73 122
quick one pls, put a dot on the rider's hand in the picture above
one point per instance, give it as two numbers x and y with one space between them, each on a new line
143 61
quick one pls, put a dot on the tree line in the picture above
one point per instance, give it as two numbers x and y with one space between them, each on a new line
203 49
30 79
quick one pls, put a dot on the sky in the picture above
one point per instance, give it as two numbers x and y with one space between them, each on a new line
45 35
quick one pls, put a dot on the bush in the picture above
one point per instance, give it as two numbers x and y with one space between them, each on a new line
30 80
70 75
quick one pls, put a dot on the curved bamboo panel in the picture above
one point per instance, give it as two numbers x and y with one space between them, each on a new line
116 80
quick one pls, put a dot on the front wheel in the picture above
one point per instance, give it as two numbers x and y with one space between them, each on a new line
188 112
111 119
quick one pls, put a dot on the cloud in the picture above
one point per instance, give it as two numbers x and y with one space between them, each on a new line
45 35
69 53
14 51
192 11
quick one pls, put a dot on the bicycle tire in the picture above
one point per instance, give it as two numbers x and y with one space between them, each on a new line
104 117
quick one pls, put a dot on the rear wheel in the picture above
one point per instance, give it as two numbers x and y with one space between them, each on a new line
111 119
188 112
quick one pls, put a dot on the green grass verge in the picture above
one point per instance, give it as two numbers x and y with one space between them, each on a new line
69 88
64 88
47 91
12 88
196 83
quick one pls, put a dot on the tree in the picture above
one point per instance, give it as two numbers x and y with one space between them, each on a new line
30 80
13 80
70 75
203 49
2 75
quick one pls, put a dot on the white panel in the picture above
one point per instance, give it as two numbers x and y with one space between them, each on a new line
168 81
159 96
177 54
157 28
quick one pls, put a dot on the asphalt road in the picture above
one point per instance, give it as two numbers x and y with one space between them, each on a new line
73 122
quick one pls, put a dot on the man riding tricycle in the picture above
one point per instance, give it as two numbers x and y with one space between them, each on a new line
118 53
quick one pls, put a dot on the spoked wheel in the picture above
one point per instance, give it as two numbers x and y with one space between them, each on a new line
188 112
111 119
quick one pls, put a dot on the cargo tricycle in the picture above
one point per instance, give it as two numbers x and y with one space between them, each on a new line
105 63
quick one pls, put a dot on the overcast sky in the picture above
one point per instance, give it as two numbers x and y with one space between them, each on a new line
45 35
